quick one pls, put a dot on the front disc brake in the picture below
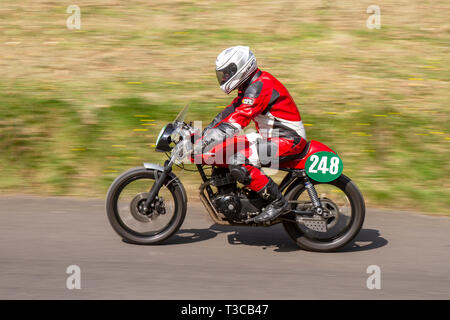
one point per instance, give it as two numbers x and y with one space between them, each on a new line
137 208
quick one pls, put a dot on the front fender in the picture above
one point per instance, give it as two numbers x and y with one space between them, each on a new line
153 166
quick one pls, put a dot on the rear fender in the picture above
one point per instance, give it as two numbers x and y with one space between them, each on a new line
291 180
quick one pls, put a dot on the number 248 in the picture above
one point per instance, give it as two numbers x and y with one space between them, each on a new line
334 164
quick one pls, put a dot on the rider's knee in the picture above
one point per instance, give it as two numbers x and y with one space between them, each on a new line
240 173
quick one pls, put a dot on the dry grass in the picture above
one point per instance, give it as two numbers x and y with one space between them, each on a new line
152 56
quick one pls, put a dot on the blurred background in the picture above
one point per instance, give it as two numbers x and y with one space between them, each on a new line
79 106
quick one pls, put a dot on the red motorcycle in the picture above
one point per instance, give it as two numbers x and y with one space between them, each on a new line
147 205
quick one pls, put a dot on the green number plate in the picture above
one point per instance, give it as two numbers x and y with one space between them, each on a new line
324 166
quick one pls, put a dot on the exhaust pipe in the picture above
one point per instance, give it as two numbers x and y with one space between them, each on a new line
210 208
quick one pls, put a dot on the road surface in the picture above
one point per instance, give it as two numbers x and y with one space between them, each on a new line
41 237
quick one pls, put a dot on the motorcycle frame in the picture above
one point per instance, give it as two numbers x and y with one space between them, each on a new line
296 174
216 216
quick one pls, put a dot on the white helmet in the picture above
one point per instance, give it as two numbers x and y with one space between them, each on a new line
233 66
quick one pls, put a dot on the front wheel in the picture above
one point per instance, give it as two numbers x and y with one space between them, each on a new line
125 201
344 203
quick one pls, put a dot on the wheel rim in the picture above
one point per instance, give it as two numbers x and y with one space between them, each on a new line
129 202
335 201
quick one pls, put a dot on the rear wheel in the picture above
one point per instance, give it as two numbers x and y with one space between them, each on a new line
125 201
343 202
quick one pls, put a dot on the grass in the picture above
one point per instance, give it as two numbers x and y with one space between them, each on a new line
71 100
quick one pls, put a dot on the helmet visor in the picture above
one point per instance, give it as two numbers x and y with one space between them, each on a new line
224 74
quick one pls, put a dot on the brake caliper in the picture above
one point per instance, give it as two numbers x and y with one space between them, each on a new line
160 206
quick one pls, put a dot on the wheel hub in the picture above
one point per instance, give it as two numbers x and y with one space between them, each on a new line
331 211
327 219
137 207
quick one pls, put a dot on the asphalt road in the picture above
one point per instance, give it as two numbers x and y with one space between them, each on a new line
41 237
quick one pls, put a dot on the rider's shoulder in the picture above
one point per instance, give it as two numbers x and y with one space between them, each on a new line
256 87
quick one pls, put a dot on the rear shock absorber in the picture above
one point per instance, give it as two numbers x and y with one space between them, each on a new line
312 194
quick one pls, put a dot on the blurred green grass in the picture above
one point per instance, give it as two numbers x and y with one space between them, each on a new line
71 101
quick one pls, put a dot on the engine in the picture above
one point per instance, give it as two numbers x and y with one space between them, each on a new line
234 203
229 205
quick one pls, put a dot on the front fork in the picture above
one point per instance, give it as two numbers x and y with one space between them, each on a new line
159 181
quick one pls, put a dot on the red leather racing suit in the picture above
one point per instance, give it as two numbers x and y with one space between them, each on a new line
280 136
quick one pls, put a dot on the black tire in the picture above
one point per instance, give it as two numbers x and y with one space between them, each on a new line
357 217
176 189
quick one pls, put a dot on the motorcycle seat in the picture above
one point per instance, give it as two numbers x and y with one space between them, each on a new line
298 156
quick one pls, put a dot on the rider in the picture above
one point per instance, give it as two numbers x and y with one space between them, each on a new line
263 99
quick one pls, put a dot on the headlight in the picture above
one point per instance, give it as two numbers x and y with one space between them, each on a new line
160 134
164 138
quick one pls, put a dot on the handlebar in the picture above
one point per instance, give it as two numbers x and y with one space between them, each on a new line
184 141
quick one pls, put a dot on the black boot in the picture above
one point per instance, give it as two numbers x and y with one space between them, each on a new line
277 203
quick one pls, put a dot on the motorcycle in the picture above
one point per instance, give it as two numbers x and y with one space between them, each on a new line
326 207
